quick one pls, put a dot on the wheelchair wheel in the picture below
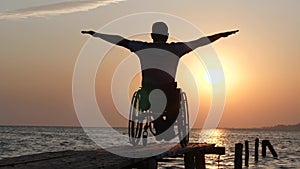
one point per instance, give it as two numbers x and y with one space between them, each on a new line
183 121
135 125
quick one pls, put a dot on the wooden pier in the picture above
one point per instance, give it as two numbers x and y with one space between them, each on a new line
193 158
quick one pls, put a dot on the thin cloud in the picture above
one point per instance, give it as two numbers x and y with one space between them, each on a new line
56 9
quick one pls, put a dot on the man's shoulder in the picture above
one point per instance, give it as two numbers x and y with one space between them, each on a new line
176 43
136 42
135 45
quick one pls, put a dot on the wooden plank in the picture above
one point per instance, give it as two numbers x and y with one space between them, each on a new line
95 158
215 150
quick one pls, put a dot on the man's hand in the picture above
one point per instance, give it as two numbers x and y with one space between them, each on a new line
225 34
88 32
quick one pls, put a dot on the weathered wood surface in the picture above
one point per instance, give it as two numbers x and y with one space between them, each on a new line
92 159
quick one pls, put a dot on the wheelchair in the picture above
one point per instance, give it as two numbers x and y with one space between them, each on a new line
141 121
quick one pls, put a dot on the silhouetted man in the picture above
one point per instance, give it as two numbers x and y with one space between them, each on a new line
159 61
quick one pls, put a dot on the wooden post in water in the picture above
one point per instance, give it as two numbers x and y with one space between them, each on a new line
265 144
247 153
150 163
256 149
264 148
189 160
272 150
200 160
238 157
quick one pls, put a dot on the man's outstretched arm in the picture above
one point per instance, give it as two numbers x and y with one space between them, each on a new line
114 39
208 39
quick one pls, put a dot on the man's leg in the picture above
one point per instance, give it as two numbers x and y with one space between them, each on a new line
172 110
164 124
160 127
144 103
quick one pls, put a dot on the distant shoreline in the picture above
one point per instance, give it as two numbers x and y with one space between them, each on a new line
295 127
279 127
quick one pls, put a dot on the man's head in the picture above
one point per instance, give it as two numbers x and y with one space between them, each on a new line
159 32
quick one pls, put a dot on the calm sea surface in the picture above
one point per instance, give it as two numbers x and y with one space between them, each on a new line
16 141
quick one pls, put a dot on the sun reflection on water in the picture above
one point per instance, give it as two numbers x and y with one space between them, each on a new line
215 136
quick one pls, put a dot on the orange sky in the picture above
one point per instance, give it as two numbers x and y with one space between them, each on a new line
261 62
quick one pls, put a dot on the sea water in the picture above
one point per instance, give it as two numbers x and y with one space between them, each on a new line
19 140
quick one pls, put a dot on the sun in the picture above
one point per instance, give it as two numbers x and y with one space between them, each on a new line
214 76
